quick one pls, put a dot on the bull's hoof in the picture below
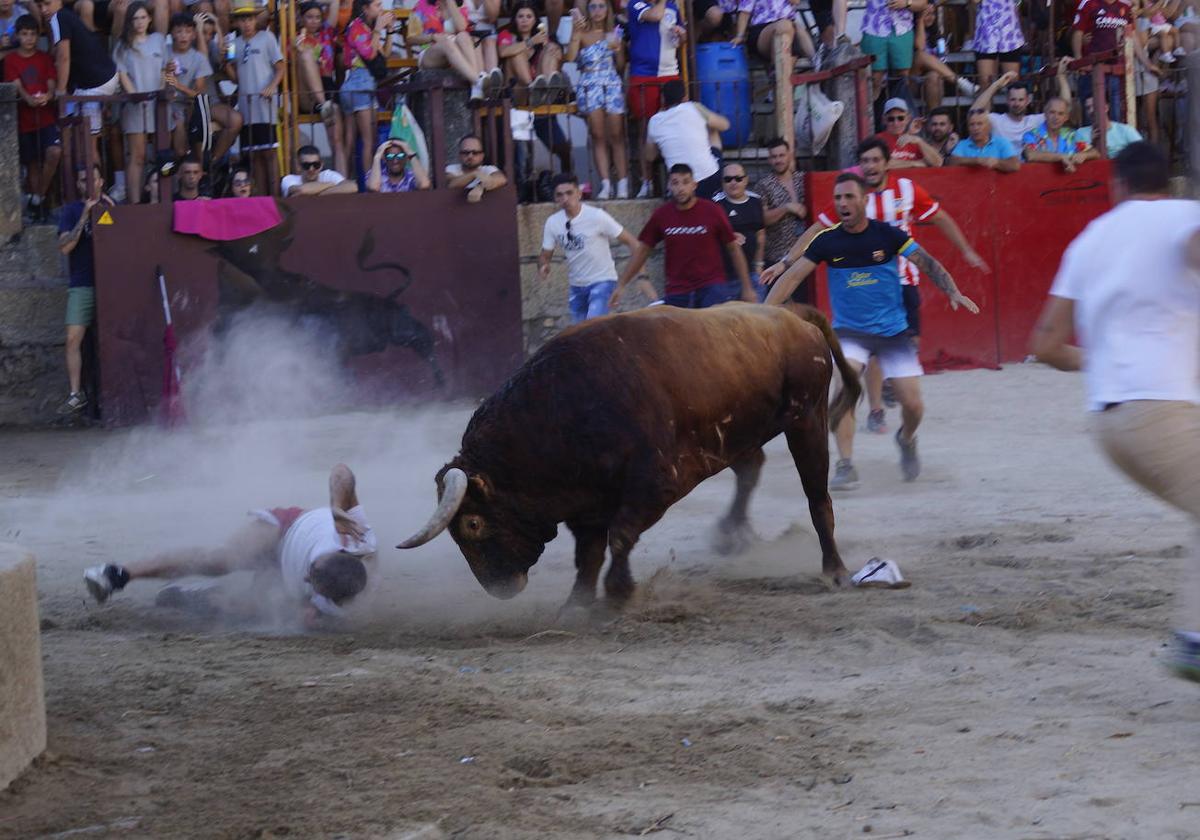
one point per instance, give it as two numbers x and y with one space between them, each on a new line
838 577
731 538
574 615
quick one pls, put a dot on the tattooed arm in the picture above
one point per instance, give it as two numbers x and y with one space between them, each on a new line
941 278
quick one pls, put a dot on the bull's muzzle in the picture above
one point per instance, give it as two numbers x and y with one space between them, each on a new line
508 588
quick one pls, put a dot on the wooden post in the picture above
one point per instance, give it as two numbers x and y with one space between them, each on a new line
1193 118
162 140
1099 115
290 97
785 110
1130 89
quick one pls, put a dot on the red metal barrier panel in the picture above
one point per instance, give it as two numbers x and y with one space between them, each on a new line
419 292
1044 210
1020 224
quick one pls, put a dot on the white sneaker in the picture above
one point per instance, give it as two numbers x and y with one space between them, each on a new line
966 86
644 192
477 88
605 192
623 188
117 194
1166 58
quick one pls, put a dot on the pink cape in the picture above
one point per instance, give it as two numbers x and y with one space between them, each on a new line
224 219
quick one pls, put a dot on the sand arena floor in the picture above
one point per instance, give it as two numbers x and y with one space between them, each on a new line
1015 691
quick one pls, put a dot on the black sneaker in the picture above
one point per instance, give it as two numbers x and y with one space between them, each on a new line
102 581
889 394
845 477
910 462
877 422
73 404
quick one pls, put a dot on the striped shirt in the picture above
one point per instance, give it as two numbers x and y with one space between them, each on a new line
899 203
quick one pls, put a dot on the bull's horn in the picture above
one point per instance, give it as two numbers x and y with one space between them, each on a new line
454 490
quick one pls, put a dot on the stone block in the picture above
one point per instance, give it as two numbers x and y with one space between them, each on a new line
10 165
457 116
22 706
32 315
32 260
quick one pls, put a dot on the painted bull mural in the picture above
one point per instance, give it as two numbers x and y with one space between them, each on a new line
360 323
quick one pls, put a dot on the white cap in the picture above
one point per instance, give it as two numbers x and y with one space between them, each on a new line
895 104
880 573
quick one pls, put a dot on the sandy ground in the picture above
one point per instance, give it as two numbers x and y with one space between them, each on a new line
1015 690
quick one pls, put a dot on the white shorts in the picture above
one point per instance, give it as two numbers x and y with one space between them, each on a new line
897 354
92 109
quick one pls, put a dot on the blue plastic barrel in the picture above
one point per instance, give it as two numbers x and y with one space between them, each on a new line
724 78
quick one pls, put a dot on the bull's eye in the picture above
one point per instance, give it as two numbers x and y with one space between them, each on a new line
472 527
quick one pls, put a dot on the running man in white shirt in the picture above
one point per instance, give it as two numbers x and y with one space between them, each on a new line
584 233
319 557
1135 307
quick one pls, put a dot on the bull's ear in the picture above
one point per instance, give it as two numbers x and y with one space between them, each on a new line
481 485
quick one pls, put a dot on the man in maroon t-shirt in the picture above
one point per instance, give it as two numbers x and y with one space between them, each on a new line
1104 23
695 231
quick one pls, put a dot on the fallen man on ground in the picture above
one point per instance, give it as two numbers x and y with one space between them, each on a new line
318 557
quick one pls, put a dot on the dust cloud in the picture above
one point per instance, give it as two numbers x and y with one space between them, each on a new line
269 413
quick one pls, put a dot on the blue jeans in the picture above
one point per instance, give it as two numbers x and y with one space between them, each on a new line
590 301
705 297
735 287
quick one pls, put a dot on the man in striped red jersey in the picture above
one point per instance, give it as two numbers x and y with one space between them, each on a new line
900 202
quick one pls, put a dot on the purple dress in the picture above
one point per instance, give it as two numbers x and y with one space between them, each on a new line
997 28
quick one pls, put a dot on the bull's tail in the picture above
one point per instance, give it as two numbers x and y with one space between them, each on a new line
850 391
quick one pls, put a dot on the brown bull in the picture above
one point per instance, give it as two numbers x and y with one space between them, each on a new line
617 419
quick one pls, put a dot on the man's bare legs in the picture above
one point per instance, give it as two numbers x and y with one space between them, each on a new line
251 548
912 407
844 433
75 334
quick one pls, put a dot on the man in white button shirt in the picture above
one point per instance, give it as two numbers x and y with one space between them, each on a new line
584 233
318 557
1129 288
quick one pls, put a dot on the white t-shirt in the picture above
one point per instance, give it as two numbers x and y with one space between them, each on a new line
326 176
589 256
313 536
1137 303
455 169
681 134
1014 130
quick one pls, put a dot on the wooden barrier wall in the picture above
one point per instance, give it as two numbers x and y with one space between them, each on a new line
422 287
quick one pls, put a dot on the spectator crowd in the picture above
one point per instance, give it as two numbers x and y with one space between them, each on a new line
620 66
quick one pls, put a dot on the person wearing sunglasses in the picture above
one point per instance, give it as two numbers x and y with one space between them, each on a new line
585 235
241 185
745 212
471 173
908 150
312 178
396 169
694 232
